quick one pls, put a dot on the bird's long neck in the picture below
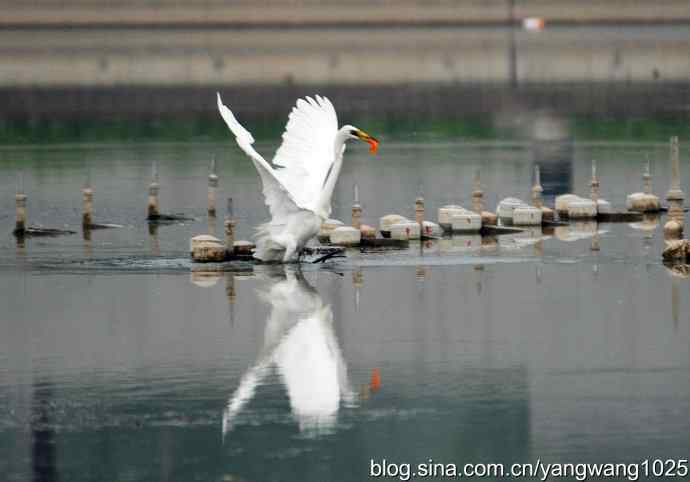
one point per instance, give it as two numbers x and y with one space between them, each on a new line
324 205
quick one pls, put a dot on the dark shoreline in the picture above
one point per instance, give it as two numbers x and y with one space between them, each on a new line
617 100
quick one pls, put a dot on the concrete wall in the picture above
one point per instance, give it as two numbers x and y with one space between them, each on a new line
305 12
112 57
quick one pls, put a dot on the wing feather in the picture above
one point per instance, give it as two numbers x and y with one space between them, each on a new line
277 195
307 152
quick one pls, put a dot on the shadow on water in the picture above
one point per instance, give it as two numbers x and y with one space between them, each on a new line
43 448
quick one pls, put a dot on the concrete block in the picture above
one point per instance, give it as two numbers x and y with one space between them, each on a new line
563 202
368 232
467 221
489 218
243 247
642 202
387 221
582 209
205 249
431 229
446 212
527 216
547 214
405 230
505 208
345 236
327 227
604 207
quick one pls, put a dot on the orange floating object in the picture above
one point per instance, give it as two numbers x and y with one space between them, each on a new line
375 383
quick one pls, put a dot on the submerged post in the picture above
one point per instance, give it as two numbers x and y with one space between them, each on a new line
20 225
356 210
358 283
153 209
212 188
87 214
477 194
419 210
675 195
537 190
229 228
594 183
647 178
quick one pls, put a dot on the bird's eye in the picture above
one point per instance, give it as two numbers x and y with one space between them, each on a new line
353 132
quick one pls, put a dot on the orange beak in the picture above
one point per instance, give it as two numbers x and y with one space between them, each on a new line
372 141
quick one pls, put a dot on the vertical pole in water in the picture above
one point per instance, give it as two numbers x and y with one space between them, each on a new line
231 294
230 228
595 246
477 194
20 225
87 214
356 210
419 210
357 282
154 187
537 190
675 195
647 178
594 183
212 188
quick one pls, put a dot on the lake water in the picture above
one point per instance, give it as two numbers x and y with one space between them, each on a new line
118 362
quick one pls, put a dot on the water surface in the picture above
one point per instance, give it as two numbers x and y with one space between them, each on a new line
118 361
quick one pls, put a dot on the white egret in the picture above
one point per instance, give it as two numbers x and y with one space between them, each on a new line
299 344
298 190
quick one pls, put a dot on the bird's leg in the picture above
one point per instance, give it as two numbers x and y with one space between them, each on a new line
303 252
290 249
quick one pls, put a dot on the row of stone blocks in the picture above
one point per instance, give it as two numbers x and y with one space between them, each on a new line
571 206
391 226
207 249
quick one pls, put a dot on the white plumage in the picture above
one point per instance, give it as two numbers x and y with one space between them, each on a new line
298 191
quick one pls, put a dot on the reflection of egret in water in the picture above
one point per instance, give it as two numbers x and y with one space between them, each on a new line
301 346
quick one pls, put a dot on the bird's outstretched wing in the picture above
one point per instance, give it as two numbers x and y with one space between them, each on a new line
278 196
307 152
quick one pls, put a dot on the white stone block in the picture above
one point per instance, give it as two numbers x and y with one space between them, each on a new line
431 229
206 248
389 220
243 247
527 216
405 230
642 202
467 222
329 225
446 212
563 202
604 207
345 236
505 208
582 209
367 231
